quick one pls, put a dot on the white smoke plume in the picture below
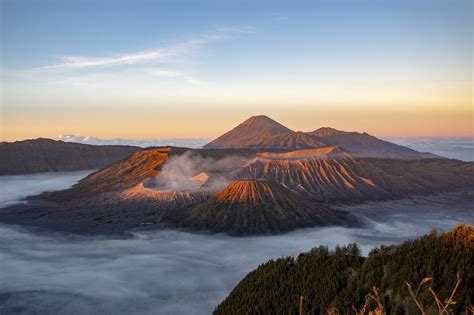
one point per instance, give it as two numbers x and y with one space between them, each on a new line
193 171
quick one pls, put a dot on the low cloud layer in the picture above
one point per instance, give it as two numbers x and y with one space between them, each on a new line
160 142
453 148
16 187
172 272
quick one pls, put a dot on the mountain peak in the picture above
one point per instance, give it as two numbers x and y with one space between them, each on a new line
326 131
263 120
251 133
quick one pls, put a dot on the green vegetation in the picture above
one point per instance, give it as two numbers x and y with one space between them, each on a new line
343 282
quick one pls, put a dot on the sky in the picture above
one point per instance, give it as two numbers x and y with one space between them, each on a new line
192 69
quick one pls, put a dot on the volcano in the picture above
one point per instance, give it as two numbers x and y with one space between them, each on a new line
256 132
251 206
264 133
274 180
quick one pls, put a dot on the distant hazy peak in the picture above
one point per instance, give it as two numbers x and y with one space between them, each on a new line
326 131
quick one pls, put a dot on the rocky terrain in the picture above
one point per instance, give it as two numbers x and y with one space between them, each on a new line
252 206
46 155
240 191
333 175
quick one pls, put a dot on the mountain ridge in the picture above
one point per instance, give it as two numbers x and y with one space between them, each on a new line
364 144
47 155
261 132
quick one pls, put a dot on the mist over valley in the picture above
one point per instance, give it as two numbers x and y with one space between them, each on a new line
174 272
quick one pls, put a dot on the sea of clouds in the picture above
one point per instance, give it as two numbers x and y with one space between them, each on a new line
453 148
158 142
172 272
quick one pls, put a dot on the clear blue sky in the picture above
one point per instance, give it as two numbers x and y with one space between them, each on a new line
230 59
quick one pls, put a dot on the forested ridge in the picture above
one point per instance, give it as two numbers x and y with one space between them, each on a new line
341 281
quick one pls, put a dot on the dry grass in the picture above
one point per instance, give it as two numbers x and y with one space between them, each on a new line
374 295
443 307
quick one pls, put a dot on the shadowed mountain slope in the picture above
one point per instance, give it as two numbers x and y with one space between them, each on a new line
366 145
247 207
46 155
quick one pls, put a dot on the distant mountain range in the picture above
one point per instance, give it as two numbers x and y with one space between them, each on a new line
74 153
46 155
144 143
262 132
258 178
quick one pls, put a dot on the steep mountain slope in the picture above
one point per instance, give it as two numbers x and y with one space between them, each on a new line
328 174
294 141
366 145
321 174
186 169
333 175
263 133
46 155
252 133
141 165
248 207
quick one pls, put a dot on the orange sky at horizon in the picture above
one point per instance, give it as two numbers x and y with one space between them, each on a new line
179 70
210 122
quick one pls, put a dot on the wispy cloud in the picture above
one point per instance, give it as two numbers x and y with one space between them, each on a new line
166 62
155 55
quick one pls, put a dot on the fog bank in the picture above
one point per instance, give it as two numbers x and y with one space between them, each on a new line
453 148
13 188
173 272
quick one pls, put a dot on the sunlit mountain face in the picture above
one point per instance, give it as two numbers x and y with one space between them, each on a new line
250 180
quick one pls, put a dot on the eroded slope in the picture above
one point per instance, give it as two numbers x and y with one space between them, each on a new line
249 206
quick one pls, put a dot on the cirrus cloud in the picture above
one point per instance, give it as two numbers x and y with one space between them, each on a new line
163 55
